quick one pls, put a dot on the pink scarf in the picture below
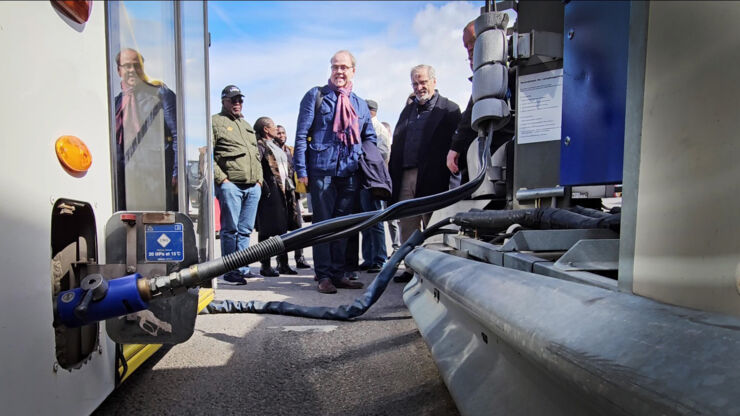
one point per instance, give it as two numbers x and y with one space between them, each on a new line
345 116
127 116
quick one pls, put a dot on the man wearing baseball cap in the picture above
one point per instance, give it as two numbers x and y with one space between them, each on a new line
238 177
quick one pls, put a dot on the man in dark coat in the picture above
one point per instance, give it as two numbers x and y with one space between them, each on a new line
420 144
276 213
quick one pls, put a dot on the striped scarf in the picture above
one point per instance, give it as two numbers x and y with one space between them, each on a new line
345 117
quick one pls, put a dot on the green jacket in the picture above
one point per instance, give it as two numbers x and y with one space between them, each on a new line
235 151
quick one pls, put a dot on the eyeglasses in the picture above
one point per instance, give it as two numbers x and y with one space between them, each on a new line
343 68
130 66
237 100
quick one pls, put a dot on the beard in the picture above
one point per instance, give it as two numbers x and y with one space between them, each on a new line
280 142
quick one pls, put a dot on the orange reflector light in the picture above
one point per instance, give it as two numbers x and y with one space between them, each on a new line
77 10
73 153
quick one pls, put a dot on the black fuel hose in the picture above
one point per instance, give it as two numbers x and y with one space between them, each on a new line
537 218
343 312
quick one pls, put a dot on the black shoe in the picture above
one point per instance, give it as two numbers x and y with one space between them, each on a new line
404 277
301 263
235 278
285 269
269 272
374 268
365 266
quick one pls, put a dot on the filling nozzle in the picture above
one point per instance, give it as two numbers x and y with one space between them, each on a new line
97 300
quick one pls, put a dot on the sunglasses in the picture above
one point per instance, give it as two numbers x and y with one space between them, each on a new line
237 100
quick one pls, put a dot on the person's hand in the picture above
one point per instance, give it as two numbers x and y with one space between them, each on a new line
303 180
452 161
174 183
225 181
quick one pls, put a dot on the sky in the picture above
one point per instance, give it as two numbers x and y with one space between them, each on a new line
276 51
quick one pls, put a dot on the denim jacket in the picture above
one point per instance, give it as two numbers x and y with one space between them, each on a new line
318 152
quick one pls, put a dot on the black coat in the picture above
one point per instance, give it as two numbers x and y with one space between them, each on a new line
375 176
433 176
276 213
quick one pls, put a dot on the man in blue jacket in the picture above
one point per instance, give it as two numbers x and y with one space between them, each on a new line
332 124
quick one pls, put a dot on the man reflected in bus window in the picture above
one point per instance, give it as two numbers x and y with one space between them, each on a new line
146 139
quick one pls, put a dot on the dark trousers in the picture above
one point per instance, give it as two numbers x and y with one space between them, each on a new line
332 196
282 258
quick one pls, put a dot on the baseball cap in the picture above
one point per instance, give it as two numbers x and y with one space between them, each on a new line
372 105
231 91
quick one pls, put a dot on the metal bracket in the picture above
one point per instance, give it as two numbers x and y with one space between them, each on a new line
546 46
591 255
553 240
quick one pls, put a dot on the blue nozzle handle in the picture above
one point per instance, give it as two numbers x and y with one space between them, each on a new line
123 298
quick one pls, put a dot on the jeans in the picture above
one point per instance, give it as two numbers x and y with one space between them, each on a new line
238 212
332 196
373 239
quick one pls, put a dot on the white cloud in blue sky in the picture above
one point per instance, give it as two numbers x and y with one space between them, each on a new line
276 51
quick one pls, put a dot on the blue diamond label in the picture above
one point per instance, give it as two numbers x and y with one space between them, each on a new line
164 243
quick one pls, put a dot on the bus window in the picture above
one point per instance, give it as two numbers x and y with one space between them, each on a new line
198 157
142 49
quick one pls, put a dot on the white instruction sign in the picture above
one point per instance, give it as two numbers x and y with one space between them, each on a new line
540 102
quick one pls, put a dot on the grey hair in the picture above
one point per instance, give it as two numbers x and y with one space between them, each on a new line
428 68
260 124
351 57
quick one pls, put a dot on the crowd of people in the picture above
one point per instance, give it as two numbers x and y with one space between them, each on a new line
260 180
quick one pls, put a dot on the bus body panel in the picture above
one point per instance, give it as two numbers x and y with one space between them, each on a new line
54 84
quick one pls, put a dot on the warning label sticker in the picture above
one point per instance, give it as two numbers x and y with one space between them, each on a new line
164 242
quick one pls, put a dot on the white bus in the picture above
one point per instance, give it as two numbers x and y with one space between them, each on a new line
88 133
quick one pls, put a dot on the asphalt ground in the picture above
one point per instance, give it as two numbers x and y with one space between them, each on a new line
249 364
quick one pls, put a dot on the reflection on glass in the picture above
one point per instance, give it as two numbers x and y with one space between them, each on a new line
146 138
197 154
141 40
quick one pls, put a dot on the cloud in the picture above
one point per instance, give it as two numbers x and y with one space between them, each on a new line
274 74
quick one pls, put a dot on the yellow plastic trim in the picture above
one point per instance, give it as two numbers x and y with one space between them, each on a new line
205 296
135 355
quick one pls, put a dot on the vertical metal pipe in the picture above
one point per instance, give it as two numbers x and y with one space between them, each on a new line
209 138
182 180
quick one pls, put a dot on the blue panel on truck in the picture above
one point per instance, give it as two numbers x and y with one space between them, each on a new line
596 43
